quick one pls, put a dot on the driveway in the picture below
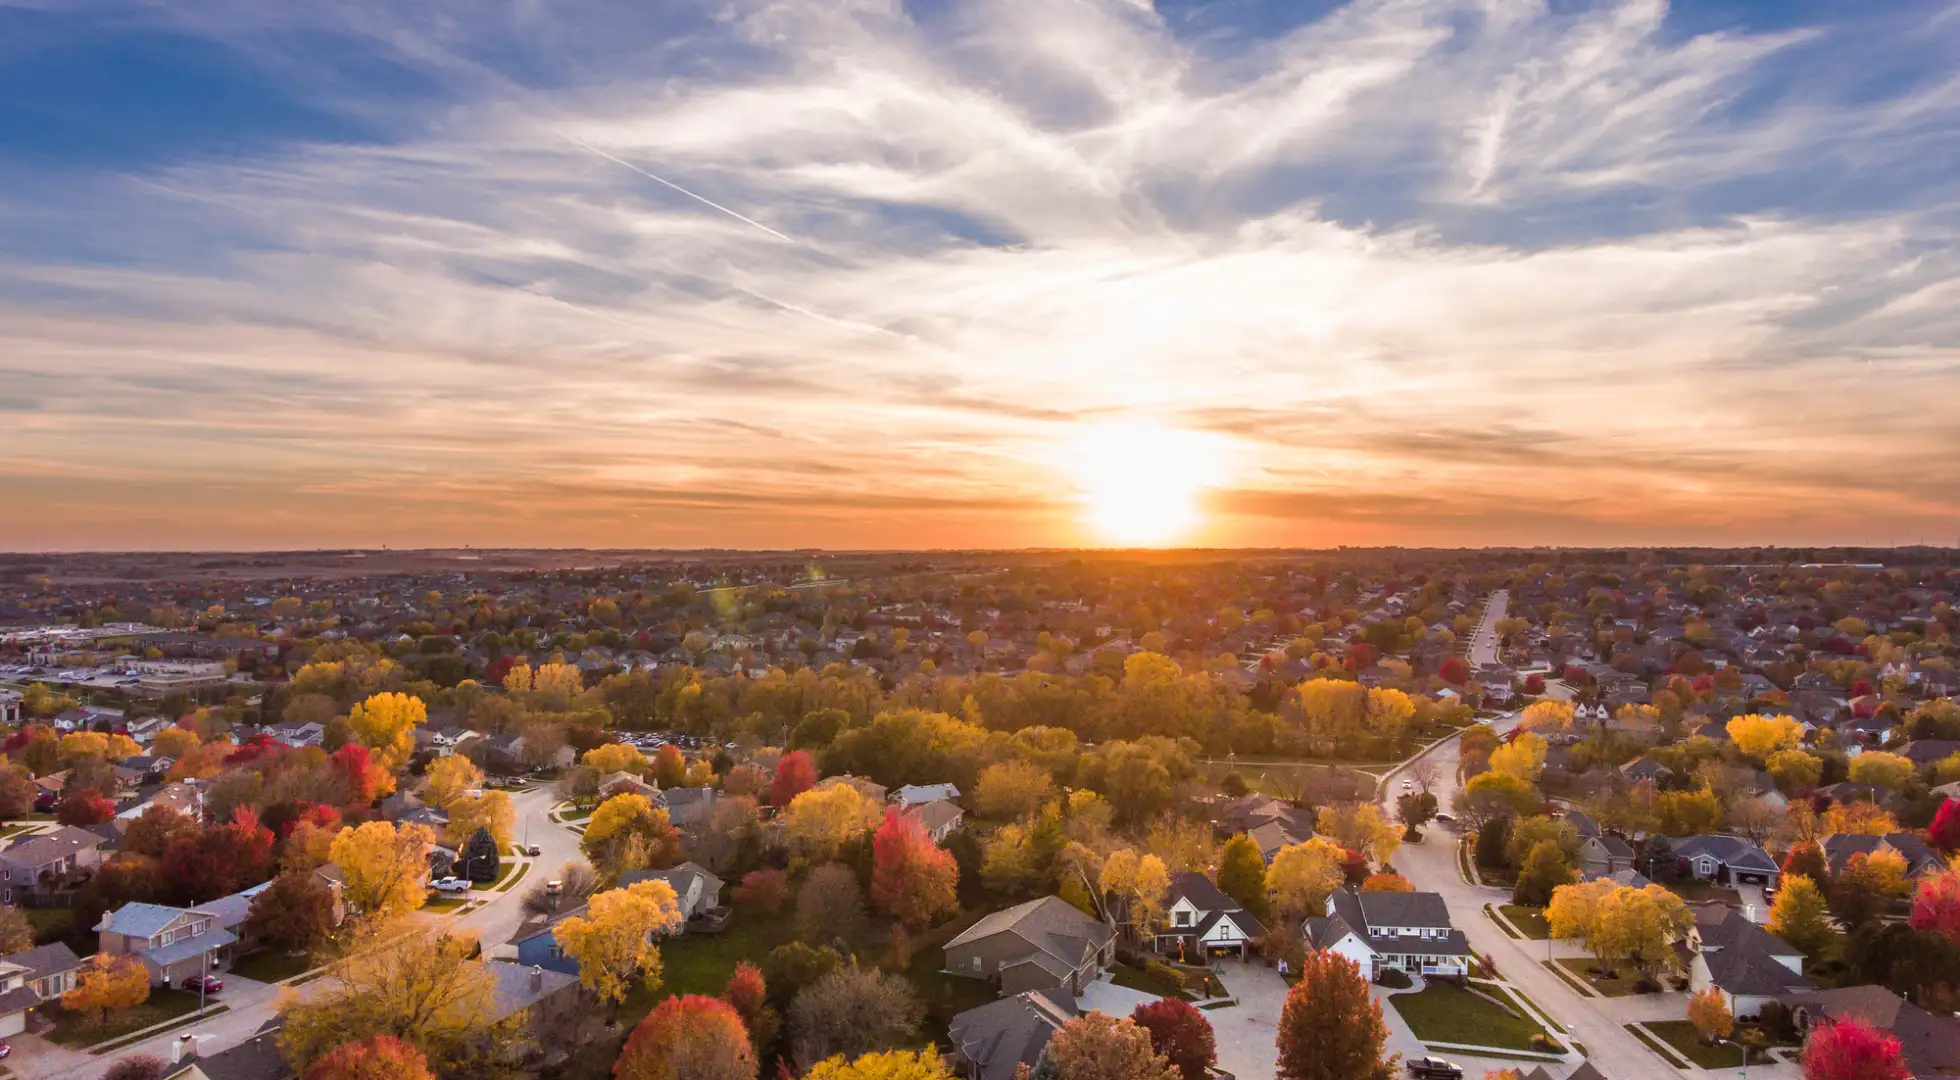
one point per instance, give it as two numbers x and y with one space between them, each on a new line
1106 997
1754 904
1246 1033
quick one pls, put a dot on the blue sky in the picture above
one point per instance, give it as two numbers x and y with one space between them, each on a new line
862 273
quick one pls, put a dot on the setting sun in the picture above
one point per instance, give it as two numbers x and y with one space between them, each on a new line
1139 483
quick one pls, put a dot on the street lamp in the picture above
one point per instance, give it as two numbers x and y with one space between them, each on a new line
1744 1047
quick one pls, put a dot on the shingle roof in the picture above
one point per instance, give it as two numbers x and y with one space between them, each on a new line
47 847
1733 850
140 920
1197 888
1049 924
1931 1042
1403 909
519 987
45 960
999 1036
185 948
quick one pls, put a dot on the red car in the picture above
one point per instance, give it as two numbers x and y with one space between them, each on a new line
210 984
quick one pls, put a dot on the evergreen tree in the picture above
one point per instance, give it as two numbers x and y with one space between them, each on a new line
1242 874
1544 869
481 860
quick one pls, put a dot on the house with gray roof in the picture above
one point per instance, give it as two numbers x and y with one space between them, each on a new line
16 997
1200 920
1930 1041
697 890
1920 857
993 1041
1040 945
920 794
48 862
1747 963
51 969
172 942
1726 859
1410 932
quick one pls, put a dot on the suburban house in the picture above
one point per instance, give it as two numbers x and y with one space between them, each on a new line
920 794
698 891
995 1040
1199 920
51 969
544 997
1605 854
181 797
1931 1042
1410 932
172 942
1272 824
938 819
1040 945
686 805
48 862
257 1058
444 741
1727 859
1747 963
298 736
626 783
16 997
1920 858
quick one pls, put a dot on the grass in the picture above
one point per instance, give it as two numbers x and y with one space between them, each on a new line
702 963
272 965
504 870
146 1036
1622 984
1695 892
1138 978
444 903
52 924
1578 985
1530 920
1445 1013
515 878
1686 1041
1657 1046
70 1030
9 830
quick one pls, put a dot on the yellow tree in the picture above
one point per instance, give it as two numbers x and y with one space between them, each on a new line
450 777
1886 770
385 723
1549 715
613 942
883 1065
563 679
1709 1012
615 757
107 983
518 679
1574 910
1141 882
1795 770
425 989
77 745
1011 790
1389 711
1801 916
627 832
1302 876
1760 736
1523 757
491 810
1331 708
821 820
1361 827
1863 818
386 869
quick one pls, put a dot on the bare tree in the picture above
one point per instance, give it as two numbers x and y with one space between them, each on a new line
851 1012
1425 774
576 882
830 904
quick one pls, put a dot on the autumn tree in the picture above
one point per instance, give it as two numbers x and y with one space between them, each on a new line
1617 923
688 1038
1523 757
1861 891
1801 916
669 766
1936 905
1242 875
912 878
1331 1026
886 1065
1359 827
1544 871
294 912
1140 883
1795 771
615 757
385 869
1180 1034
762 891
105 984
830 904
1708 1011
425 989
139 1067
1886 770
377 1057
796 773
490 811
16 932
612 943
1760 737
385 723
1011 789
852 1012
1807 860
1944 833
1097 1046
627 832
1387 883
366 779
1302 876
1851 1049
1547 717
748 993
821 821
449 778
1416 809
82 807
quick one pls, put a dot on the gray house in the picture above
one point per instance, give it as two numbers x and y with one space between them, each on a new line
993 1041
1727 859
1040 945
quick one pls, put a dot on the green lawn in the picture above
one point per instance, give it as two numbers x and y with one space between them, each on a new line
1531 920
511 882
1620 985
1695 892
58 924
1656 1045
702 963
1686 1041
1137 978
440 903
503 871
1444 1013
69 1030
272 965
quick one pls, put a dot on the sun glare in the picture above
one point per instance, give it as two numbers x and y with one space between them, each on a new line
1139 483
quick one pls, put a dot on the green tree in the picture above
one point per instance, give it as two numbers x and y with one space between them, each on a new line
1242 875
1544 870
1801 916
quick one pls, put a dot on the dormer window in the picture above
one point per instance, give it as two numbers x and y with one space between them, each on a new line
1181 918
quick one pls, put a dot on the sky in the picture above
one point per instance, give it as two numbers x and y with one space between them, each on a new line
978 273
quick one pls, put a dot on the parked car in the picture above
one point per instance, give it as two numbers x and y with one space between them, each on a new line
210 984
1429 1068
5 1048
534 851
450 884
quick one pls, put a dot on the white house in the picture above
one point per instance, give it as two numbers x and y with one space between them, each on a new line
1747 963
1410 932
919 794
1201 921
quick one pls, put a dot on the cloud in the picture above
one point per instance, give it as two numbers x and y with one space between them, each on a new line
1471 271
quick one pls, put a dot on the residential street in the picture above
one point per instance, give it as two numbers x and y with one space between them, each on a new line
251 1004
1483 642
1597 1023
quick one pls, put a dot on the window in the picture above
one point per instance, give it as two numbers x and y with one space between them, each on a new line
166 937
976 963
1181 918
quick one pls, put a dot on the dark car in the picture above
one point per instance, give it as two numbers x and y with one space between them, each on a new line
210 984
1429 1068
44 802
534 851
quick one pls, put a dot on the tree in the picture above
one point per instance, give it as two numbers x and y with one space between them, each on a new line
1801 916
762 891
627 832
1936 905
1689 813
1890 771
1547 716
385 723
562 680
1944 833
17 792
1011 790
482 858
1862 818
107 983
1180 1034
1861 891
748 993
1708 1011
1331 1027
888 1065
16 932
1387 883
490 812
912 878
1618 923
688 1038
365 778
615 757
1851 1049
82 807
1760 737
295 912
1807 860
1359 827
385 868
1242 875
796 773
1097 1046
377 1057
1140 882
792 966
822 820
1523 757
669 766
425 989
1495 794
829 905
1416 809
852 1012
1302 876
156 828
1795 771
140 1067
449 778
1544 871
612 943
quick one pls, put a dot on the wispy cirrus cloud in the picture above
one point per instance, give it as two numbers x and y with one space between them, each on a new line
853 274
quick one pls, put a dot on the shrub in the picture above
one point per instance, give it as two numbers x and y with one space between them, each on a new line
1164 973
1542 1043
1394 978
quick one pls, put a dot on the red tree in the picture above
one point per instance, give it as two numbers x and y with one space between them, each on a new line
706 1033
1359 655
1936 905
221 861
1534 684
762 891
669 766
1851 1049
495 670
377 1057
1180 1033
1945 831
364 778
1808 860
1354 866
911 877
746 991
83 807
259 748
1454 670
795 774
1331 1027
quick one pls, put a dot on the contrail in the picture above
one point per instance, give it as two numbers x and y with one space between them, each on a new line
669 183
